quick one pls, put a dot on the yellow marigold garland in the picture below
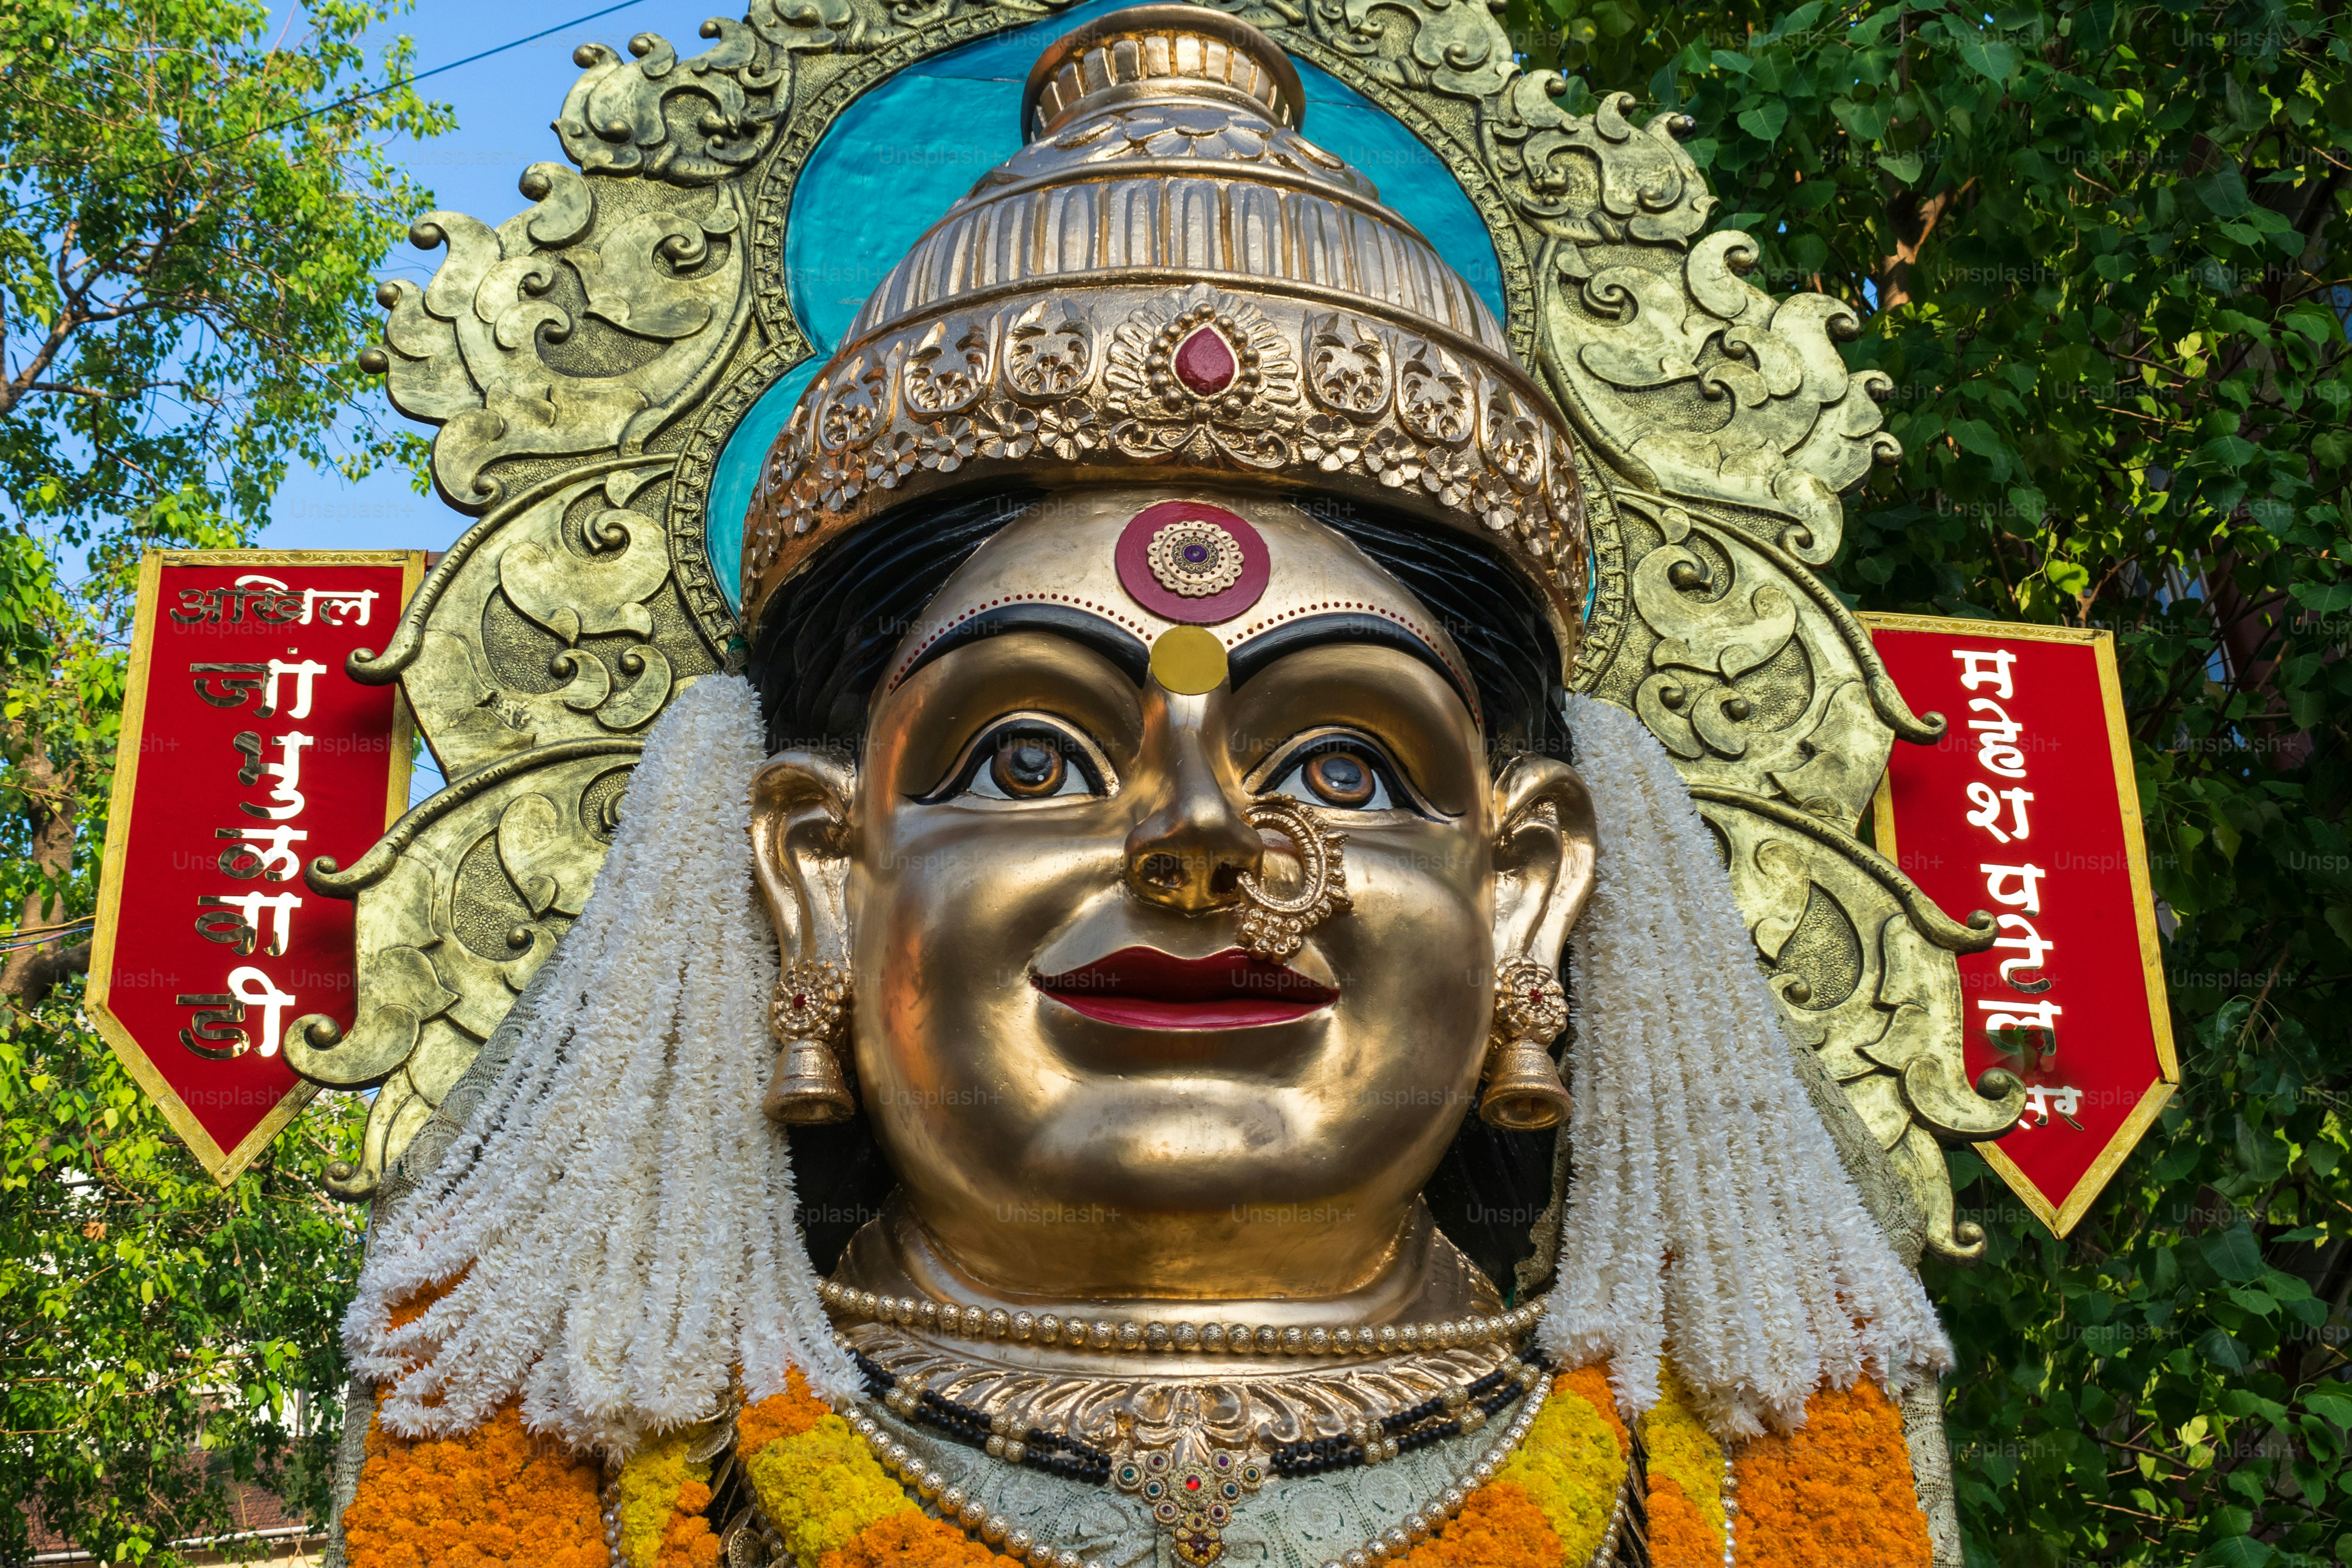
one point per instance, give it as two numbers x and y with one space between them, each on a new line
1550 1505
662 1496
1574 1462
822 1487
1838 1489
1685 1476
494 1496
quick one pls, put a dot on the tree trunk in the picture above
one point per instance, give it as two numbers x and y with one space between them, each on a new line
32 973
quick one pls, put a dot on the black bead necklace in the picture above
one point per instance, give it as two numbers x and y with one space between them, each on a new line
1417 1426
1056 1453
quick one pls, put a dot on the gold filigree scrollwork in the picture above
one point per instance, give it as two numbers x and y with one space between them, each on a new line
690 122
1049 351
558 616
1350 367
1749 669
1158 414
1593 179
1186 1422
1785 424
948 368
554 337
1460 51
1382 411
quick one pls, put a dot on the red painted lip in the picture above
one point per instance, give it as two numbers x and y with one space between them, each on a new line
1143 988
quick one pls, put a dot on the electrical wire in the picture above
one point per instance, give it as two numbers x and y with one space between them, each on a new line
363 97
17 944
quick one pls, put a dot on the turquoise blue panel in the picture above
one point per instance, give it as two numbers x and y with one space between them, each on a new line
738 471
901 155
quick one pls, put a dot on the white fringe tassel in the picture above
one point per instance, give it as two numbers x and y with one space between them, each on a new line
1708 1221
633 1243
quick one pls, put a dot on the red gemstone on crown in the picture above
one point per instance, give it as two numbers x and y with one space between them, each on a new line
1205 363
1192 1483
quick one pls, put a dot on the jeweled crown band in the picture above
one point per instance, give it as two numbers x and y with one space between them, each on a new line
1333 401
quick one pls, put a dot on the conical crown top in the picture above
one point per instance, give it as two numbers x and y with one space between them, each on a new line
1169 275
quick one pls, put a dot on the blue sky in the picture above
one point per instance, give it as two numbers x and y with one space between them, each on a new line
503 106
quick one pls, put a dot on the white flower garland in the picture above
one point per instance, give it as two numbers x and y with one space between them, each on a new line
618 1214
619 1210
1708 1221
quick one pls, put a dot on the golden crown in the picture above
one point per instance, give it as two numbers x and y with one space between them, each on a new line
1170 277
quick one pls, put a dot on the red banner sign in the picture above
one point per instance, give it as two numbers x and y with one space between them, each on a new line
2027 809
246 752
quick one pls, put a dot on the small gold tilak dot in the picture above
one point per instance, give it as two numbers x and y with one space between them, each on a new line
1187 660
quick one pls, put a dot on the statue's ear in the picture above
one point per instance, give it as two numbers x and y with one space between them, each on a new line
1545 844
800 845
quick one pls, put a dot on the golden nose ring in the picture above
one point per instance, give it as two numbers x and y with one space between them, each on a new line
1274 927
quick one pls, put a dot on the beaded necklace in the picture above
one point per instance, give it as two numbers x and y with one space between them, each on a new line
1193 1501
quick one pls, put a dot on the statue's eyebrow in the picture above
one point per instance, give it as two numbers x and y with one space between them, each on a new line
1347 627
1104 636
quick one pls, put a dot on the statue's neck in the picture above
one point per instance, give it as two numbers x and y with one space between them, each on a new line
1422 1278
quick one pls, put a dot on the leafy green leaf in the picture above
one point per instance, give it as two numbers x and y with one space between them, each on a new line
1764 121
1904 166
1996 62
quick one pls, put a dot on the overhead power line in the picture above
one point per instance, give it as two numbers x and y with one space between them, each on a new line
309 115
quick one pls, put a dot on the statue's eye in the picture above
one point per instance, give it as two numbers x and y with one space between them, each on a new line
1340 771
1027 757
1026 768
1342 778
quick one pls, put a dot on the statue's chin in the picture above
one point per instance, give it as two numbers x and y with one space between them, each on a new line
1192 1183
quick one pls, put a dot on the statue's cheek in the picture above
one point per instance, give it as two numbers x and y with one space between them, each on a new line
1415 955
949 910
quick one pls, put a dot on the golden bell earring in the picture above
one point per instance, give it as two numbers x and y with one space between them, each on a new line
809 1014
1523 1092
1274 927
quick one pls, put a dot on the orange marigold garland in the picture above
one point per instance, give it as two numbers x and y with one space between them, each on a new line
1838 1489
1685 1476
494 1496
1551 1505
1499 1527
823 1489
910 1539
686 1540
785 1415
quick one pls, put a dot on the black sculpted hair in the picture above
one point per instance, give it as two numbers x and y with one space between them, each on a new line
820 650
825 635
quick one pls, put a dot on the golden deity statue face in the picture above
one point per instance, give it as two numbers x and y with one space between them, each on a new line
1040 875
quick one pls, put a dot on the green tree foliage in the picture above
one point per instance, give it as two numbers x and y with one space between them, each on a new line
2101 247
196 201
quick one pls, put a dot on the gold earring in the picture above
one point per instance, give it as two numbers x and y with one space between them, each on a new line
1523 1091
1274 927
809 1014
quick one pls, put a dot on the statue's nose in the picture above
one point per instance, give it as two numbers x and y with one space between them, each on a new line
1189 852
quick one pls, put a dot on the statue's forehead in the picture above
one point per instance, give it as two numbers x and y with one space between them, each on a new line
1137 563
